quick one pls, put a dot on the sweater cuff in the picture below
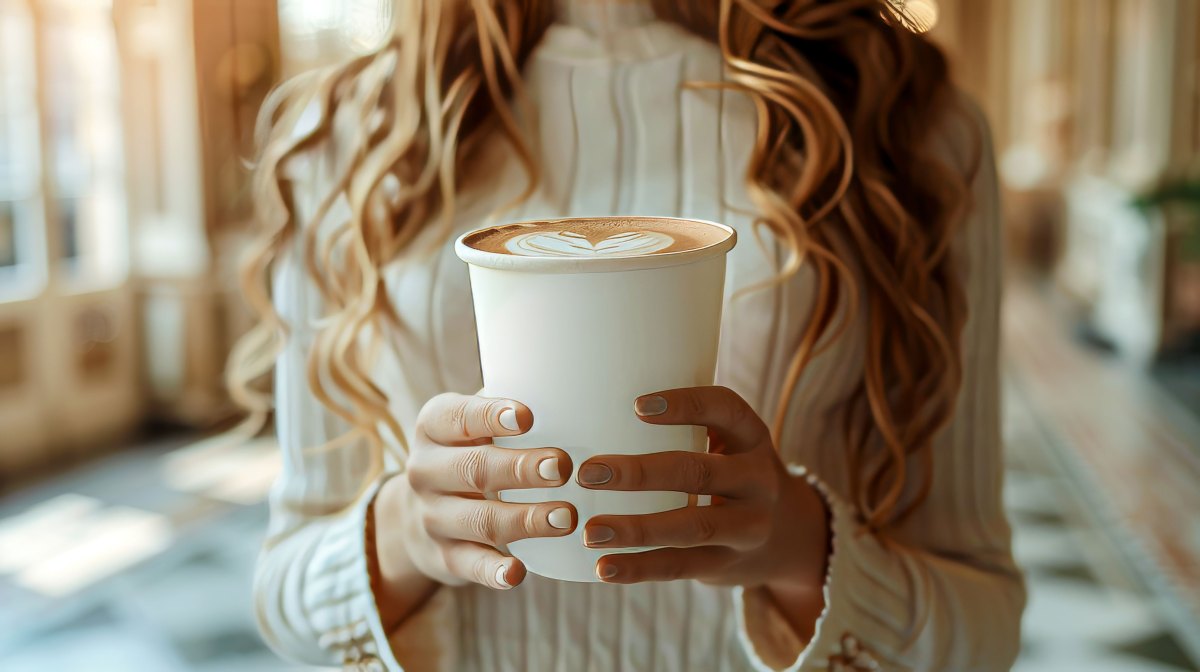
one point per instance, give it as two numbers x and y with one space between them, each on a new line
768 638
338 594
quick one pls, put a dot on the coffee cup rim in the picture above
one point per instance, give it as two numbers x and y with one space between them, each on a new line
561 265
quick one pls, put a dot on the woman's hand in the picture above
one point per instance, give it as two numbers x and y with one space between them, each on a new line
765 527
434 518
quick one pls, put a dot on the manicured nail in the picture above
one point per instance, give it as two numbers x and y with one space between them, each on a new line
650 405
501 577
595 474
598 534
607 571
508 419
548 469
560 518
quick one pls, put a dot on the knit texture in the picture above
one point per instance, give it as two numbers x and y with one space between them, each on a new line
621 133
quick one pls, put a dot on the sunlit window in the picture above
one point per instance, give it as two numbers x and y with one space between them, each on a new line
20 195
62 182
317 33
87 188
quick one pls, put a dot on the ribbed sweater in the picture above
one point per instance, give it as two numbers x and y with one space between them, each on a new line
621 133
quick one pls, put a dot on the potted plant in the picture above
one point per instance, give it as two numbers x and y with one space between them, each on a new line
1178 366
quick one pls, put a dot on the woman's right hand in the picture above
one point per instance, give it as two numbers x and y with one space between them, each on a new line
434 517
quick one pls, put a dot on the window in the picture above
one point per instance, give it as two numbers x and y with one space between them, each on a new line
21 254
318 33
84 157
62 187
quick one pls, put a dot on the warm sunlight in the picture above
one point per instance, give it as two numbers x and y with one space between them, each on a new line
617 335
71 542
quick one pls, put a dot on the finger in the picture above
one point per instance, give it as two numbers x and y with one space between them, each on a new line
672 471
664 564
717 408
687 527
487 469
457 419
497 523
483 565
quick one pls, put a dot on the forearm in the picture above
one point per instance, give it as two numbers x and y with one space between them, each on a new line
312 587
400 588
798 590
906 607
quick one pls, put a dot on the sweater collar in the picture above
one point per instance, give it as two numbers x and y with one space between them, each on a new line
601 17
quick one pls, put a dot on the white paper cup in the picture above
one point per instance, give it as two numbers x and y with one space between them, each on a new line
577 339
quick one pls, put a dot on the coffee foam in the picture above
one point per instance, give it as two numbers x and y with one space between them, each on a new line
609 237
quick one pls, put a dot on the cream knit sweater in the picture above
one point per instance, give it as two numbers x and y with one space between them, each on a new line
620 134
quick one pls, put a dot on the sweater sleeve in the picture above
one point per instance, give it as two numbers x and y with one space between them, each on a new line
943 591
312 589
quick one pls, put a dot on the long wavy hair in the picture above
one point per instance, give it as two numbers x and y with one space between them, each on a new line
843 172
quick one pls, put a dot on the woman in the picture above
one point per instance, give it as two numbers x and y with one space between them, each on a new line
857 467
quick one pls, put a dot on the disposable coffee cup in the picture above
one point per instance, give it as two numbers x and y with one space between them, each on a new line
576 318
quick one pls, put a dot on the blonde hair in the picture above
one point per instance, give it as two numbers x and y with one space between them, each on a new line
842 171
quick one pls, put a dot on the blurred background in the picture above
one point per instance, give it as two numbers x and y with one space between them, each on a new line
127 543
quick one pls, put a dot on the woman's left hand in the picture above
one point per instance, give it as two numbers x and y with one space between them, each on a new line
764 527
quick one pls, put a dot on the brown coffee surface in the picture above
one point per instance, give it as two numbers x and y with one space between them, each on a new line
602 236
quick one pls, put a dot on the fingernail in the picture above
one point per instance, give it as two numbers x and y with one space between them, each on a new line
502 578
607 571
649 405
598 534
595 474
560 518
508 419
548 469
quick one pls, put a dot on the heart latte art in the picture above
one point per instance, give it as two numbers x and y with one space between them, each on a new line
573 244
597 238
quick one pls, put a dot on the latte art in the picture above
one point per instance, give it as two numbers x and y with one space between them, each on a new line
597 238
572 244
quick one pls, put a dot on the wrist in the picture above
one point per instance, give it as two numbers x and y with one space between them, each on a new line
398 585
391 552
797 587
804 556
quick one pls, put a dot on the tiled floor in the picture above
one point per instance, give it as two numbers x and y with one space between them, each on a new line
169 604
172 593
1088 610
1127 453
